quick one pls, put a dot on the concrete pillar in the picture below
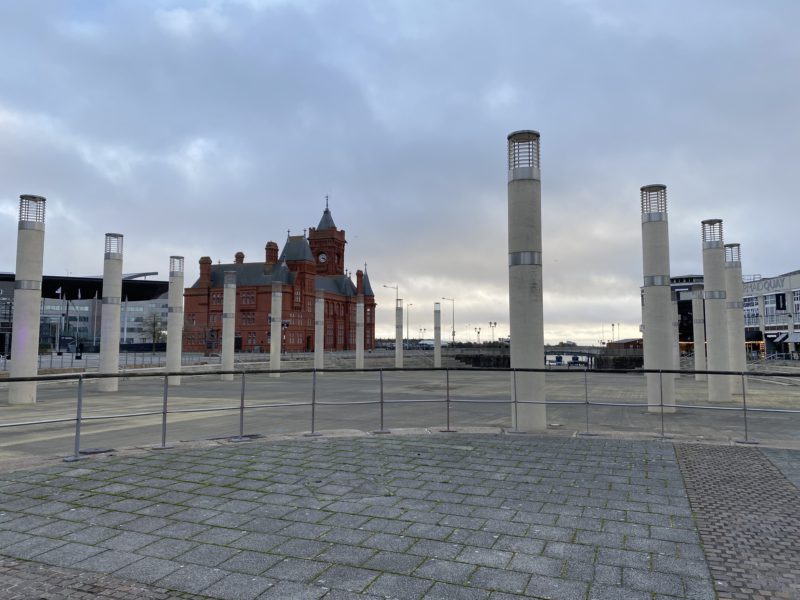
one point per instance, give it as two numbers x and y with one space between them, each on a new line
525 279
699 333
276 329
228 323
109 323
657 312
27 299
437 335
398 334
175 319
734 312
715 297
360 332
319 330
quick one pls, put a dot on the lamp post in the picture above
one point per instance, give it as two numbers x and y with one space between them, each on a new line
492 325
453 300
396 289
408 319
478 331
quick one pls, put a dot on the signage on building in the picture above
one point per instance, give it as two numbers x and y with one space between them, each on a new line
765 285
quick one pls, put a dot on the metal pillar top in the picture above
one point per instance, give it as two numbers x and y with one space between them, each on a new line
523 149
114 243
31 208
654 198
733 253
176 265
712 233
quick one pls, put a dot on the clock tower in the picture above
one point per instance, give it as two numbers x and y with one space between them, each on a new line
327 245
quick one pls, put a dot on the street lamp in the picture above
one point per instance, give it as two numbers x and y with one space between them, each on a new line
453 300
396 289
492 325
408 318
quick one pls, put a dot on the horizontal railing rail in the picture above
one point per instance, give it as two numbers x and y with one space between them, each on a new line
514 401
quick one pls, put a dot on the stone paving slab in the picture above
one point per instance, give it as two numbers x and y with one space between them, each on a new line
410 517
748 516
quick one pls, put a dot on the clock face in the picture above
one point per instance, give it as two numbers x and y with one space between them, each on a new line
323 257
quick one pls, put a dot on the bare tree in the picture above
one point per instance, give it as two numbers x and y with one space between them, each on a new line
153 327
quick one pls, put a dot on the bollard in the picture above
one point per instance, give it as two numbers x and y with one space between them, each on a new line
382 429
77 451
313 433
447 387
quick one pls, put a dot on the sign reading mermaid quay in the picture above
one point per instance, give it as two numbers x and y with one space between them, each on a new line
775 284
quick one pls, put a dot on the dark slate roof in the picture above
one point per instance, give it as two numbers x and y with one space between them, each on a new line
338 284
250 274
296 248
367 287
326 222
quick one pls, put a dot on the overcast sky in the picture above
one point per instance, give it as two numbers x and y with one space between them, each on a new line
208 127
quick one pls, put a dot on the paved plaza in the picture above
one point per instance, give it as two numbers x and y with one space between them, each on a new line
418 515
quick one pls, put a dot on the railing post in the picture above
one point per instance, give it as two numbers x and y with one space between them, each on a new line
586 401
515 429
241 437
661 398
744 414
313 432
382 429
78 415
164 445
447 387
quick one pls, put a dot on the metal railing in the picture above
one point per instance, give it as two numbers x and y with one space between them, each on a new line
514 402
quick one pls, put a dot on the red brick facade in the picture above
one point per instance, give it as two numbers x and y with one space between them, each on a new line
305 265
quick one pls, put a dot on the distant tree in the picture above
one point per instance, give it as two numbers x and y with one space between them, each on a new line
153 328
567 344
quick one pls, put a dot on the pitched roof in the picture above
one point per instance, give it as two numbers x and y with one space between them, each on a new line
367 287
338 284
296 248
326 222
250 274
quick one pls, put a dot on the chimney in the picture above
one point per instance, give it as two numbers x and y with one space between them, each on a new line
272 253
238 258
205 271
359 282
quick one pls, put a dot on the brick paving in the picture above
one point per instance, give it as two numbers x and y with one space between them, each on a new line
748 516
485 517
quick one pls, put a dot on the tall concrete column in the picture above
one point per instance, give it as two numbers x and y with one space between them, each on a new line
319 330
437 335
27 299
228 323
175 319
109 318
525 279
734 312
360 332
398 334
699 333
715 297
657 311
276 329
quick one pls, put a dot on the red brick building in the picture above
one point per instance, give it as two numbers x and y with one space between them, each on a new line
306 264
